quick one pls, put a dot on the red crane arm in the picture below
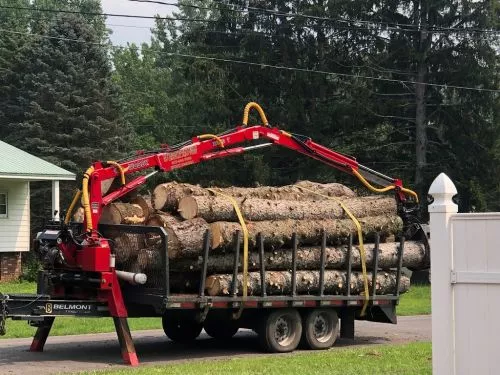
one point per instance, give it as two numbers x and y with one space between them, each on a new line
199 149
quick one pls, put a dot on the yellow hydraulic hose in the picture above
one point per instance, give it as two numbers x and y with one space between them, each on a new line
86 203
212 136
76 198
259 109
120 169
384 189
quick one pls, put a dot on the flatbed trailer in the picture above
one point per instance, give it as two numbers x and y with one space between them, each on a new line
273 317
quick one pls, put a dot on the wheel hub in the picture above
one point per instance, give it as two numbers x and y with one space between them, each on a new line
321 328
282 330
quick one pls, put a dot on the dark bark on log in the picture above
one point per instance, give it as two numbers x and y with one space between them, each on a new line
122 213
126 246
278 233
280 283
149 259
309 258
218 208
185 239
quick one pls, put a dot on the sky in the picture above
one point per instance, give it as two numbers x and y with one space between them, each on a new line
132 30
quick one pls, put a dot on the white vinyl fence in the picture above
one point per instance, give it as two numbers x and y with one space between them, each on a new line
465 278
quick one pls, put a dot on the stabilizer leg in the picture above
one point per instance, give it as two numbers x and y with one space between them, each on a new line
41 335
347 318
126 344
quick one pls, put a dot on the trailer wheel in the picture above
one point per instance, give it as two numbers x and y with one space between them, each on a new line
181 329
320 329
280 331
220 329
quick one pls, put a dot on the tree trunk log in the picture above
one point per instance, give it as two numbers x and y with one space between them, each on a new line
280 282
159 219
309 258
185 239
331 189
147 210
166 196
278 233
218 208
126 246
122 213
149 259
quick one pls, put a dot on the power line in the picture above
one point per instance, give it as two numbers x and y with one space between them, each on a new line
263 65
388 25
187 19
270 11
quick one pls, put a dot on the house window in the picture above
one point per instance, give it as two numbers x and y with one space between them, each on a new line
3 205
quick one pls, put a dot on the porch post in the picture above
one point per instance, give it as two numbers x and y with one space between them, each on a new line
55 200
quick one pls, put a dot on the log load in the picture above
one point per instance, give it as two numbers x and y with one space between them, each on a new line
166 196
279 283
126 246
122 213
308 258
218 208
279 233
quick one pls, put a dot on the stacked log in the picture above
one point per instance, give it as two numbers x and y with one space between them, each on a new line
187 212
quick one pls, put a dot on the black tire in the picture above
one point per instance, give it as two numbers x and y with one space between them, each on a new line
181 329
220 329
320 329
280 331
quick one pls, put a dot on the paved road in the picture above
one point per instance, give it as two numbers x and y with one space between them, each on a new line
101 351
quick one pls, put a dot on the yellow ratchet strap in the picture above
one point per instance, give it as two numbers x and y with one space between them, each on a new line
361 246
212 136
245 239
259 109
384 189
120 169
86 203
71 207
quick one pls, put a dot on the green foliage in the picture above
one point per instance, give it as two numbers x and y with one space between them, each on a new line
57 97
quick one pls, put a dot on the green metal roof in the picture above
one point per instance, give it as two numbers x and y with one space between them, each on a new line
16 163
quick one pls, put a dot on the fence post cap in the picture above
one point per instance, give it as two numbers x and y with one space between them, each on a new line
442 190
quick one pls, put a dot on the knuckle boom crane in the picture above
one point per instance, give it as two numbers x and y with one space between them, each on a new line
81 270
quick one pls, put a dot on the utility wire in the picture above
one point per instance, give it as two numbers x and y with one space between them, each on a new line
263 65
187 19
389 25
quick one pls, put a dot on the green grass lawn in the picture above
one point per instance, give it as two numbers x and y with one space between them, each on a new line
414 359
416 301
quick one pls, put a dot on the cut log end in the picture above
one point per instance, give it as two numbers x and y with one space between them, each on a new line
188 208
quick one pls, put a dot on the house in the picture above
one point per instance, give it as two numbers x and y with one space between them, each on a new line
17 170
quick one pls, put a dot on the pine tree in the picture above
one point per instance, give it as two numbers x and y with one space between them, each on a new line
73 116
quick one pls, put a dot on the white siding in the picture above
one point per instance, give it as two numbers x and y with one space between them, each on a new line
15 228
